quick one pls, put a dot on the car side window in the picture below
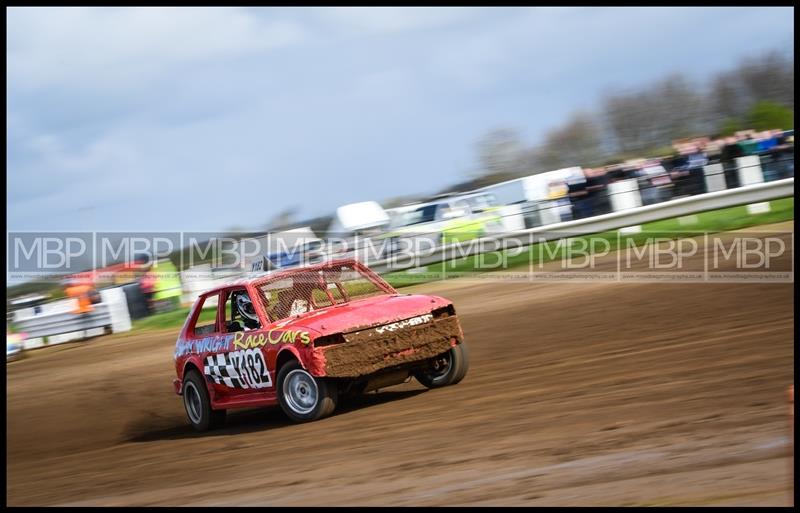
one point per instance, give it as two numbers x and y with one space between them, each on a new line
440 211
460 209
206 321
239 313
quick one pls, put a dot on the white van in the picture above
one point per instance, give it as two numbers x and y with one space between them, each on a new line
543 197
353 231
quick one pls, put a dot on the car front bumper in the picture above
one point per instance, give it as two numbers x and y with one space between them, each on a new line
368 351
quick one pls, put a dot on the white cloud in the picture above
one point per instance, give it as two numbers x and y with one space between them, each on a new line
388 20
93 48
148 113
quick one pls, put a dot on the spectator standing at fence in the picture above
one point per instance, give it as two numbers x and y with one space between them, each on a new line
767 140
654 182
81 291
579 196
783 155
767 154
730 152
747 142
679 170
616 173
597 191
696 161
713 150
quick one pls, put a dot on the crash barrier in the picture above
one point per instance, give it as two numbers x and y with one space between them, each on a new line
622 195
755 193
58 324
631 190
381 253
136 300
625 194
714 175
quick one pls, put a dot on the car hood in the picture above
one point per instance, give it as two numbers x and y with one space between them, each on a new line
363 313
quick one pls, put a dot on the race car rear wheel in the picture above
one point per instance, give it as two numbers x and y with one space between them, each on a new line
445 369
302 396
198 404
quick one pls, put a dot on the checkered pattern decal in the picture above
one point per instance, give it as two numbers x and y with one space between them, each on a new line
238 369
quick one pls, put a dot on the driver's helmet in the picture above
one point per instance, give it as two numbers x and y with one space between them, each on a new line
246 309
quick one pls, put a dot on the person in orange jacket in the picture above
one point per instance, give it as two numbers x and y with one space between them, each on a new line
82 292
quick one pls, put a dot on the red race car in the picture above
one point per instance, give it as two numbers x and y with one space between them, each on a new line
304 337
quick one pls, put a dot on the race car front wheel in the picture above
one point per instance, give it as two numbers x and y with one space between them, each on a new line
302 396
198 404
446 369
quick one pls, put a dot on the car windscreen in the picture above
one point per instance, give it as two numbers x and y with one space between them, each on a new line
305 291
424 214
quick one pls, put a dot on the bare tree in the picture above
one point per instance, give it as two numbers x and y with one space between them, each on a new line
726 98
578 142
669 109
501 151
768 77
630 122
638 121
681 109
734 93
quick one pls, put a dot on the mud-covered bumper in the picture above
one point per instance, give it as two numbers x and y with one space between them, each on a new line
367 351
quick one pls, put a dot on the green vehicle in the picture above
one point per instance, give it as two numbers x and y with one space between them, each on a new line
448 220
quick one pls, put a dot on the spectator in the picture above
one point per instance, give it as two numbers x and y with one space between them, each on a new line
713 150
81 291
597 191
730 152
616 173
747 142
696 161
679 172
771 155
654 182
784 155
579 197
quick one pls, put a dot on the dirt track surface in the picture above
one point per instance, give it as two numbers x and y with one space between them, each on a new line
578 394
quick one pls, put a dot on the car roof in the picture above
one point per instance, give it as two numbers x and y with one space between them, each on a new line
450 199
264 276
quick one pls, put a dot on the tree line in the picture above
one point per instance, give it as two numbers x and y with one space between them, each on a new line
757 93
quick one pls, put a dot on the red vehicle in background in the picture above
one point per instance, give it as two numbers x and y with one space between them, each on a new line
304 337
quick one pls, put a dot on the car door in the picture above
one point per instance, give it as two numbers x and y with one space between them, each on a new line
238 367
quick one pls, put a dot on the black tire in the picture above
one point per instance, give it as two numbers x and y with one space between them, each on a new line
446 369
198 404
304 398
464 364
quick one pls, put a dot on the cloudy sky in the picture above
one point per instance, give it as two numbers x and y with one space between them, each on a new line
209 118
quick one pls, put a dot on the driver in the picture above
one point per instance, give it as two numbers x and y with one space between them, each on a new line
247 311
